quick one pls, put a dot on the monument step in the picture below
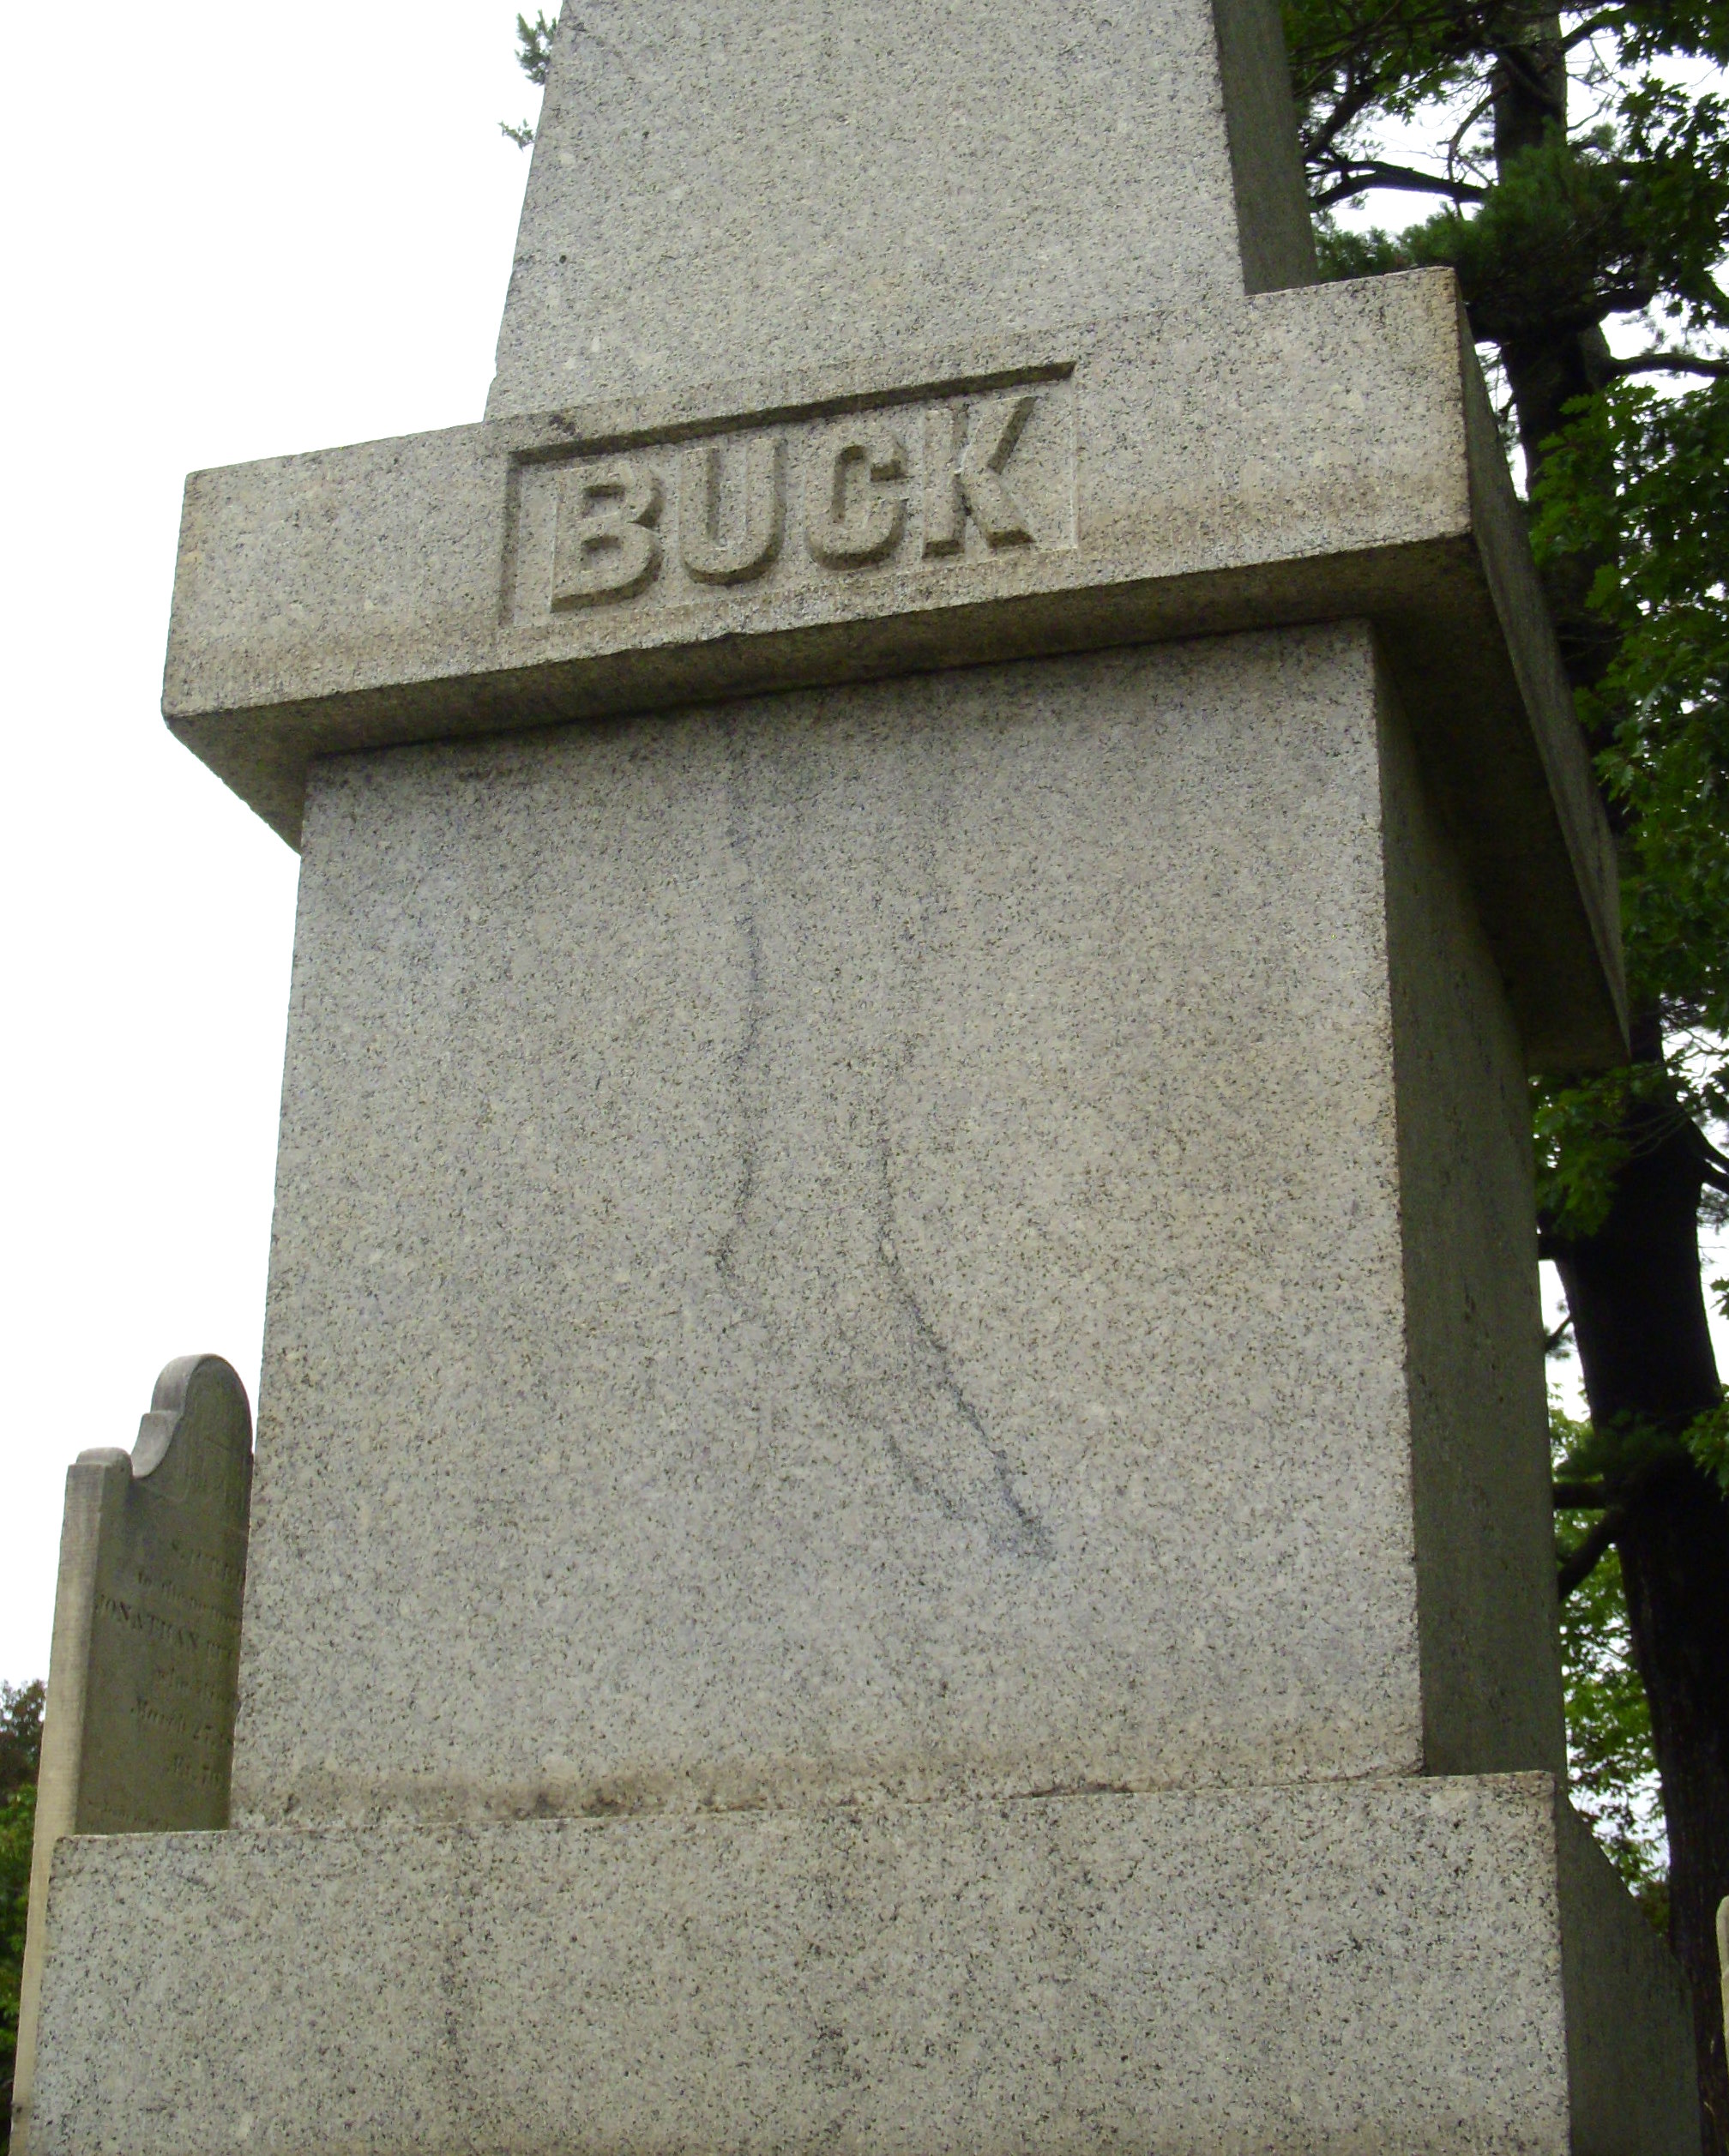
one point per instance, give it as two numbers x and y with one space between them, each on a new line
1417 1965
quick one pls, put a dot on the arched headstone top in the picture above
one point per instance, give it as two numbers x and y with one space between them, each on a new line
199 1412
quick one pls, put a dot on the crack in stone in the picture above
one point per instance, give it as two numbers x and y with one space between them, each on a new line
979 1494
1021 1531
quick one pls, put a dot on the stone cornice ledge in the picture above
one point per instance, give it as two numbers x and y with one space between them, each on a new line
1297 456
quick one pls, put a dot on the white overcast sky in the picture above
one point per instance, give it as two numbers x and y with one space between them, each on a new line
230 233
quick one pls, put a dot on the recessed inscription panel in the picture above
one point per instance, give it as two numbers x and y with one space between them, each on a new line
917 484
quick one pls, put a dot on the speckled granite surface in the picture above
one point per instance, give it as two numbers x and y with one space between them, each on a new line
1331 1970
852 1245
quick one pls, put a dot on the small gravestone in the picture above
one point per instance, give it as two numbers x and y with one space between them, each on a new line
1723 1957
139 1733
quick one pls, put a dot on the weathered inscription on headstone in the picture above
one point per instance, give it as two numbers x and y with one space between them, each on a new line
931 479
141 1693
146 1621
165 1631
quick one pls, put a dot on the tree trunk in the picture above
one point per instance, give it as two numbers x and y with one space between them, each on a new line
1547 372
1638 1313
1633 1288
1675 1560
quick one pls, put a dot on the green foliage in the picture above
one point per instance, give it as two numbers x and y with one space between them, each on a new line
534 57
1584 1452
1575 229
1552 234
1580 1136
1659 535
1708 1439
17 1828
1612 1768
1549 236
1696 29
1555 243
20 1734
534 46
1344 253
1611 1765
1612 1458
1356 63
21 1751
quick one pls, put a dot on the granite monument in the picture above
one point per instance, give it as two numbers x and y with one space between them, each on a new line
902 1499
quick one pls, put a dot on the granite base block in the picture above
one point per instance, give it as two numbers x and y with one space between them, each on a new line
1423 1964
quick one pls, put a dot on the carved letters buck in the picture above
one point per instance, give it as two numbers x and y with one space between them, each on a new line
849 487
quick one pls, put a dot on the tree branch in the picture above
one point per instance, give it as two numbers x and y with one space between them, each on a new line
1585 1559
1455 142
1355 38
1358 177
1581 1496
1591 27
1721 1160
1713 1166
1355 100
1668 363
